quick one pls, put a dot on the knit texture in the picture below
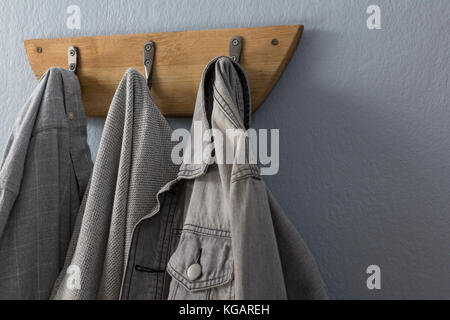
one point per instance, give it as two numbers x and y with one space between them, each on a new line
133 163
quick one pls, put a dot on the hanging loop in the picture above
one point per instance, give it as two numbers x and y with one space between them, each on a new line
149 56
236 48
72 58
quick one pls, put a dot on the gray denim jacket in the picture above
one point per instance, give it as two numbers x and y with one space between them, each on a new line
216 231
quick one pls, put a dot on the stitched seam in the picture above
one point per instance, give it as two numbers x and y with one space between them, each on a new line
162 247
236 179
246 96
241 174
248 166
206 228
48 128
190 171
174 202
226 108
195 169
206 234
227 114
243 170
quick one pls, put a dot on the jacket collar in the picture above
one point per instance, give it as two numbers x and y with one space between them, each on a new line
224 82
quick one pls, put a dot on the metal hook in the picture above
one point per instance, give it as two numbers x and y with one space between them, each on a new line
72 58
149 56
236 48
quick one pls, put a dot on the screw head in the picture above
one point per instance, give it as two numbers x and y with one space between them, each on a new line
274 42
39 50
147 62
235 42
72 52
72 66
148 47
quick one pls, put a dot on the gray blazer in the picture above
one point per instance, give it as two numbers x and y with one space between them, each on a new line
43 175
132 164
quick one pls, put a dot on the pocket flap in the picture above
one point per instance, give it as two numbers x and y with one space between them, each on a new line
203 259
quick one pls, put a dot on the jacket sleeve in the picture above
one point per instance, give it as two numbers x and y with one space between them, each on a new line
14 156
258 272
300 271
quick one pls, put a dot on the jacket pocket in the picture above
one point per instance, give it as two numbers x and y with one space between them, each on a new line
202 265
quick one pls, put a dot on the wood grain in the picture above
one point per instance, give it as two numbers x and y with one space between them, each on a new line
180 58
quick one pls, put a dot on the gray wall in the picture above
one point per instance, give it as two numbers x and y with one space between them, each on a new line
363 115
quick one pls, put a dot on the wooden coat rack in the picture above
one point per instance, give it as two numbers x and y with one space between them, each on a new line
179 60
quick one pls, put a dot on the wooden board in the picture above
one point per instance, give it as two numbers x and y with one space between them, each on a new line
180 58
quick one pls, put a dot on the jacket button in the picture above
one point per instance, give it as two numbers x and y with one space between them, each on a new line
194 271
